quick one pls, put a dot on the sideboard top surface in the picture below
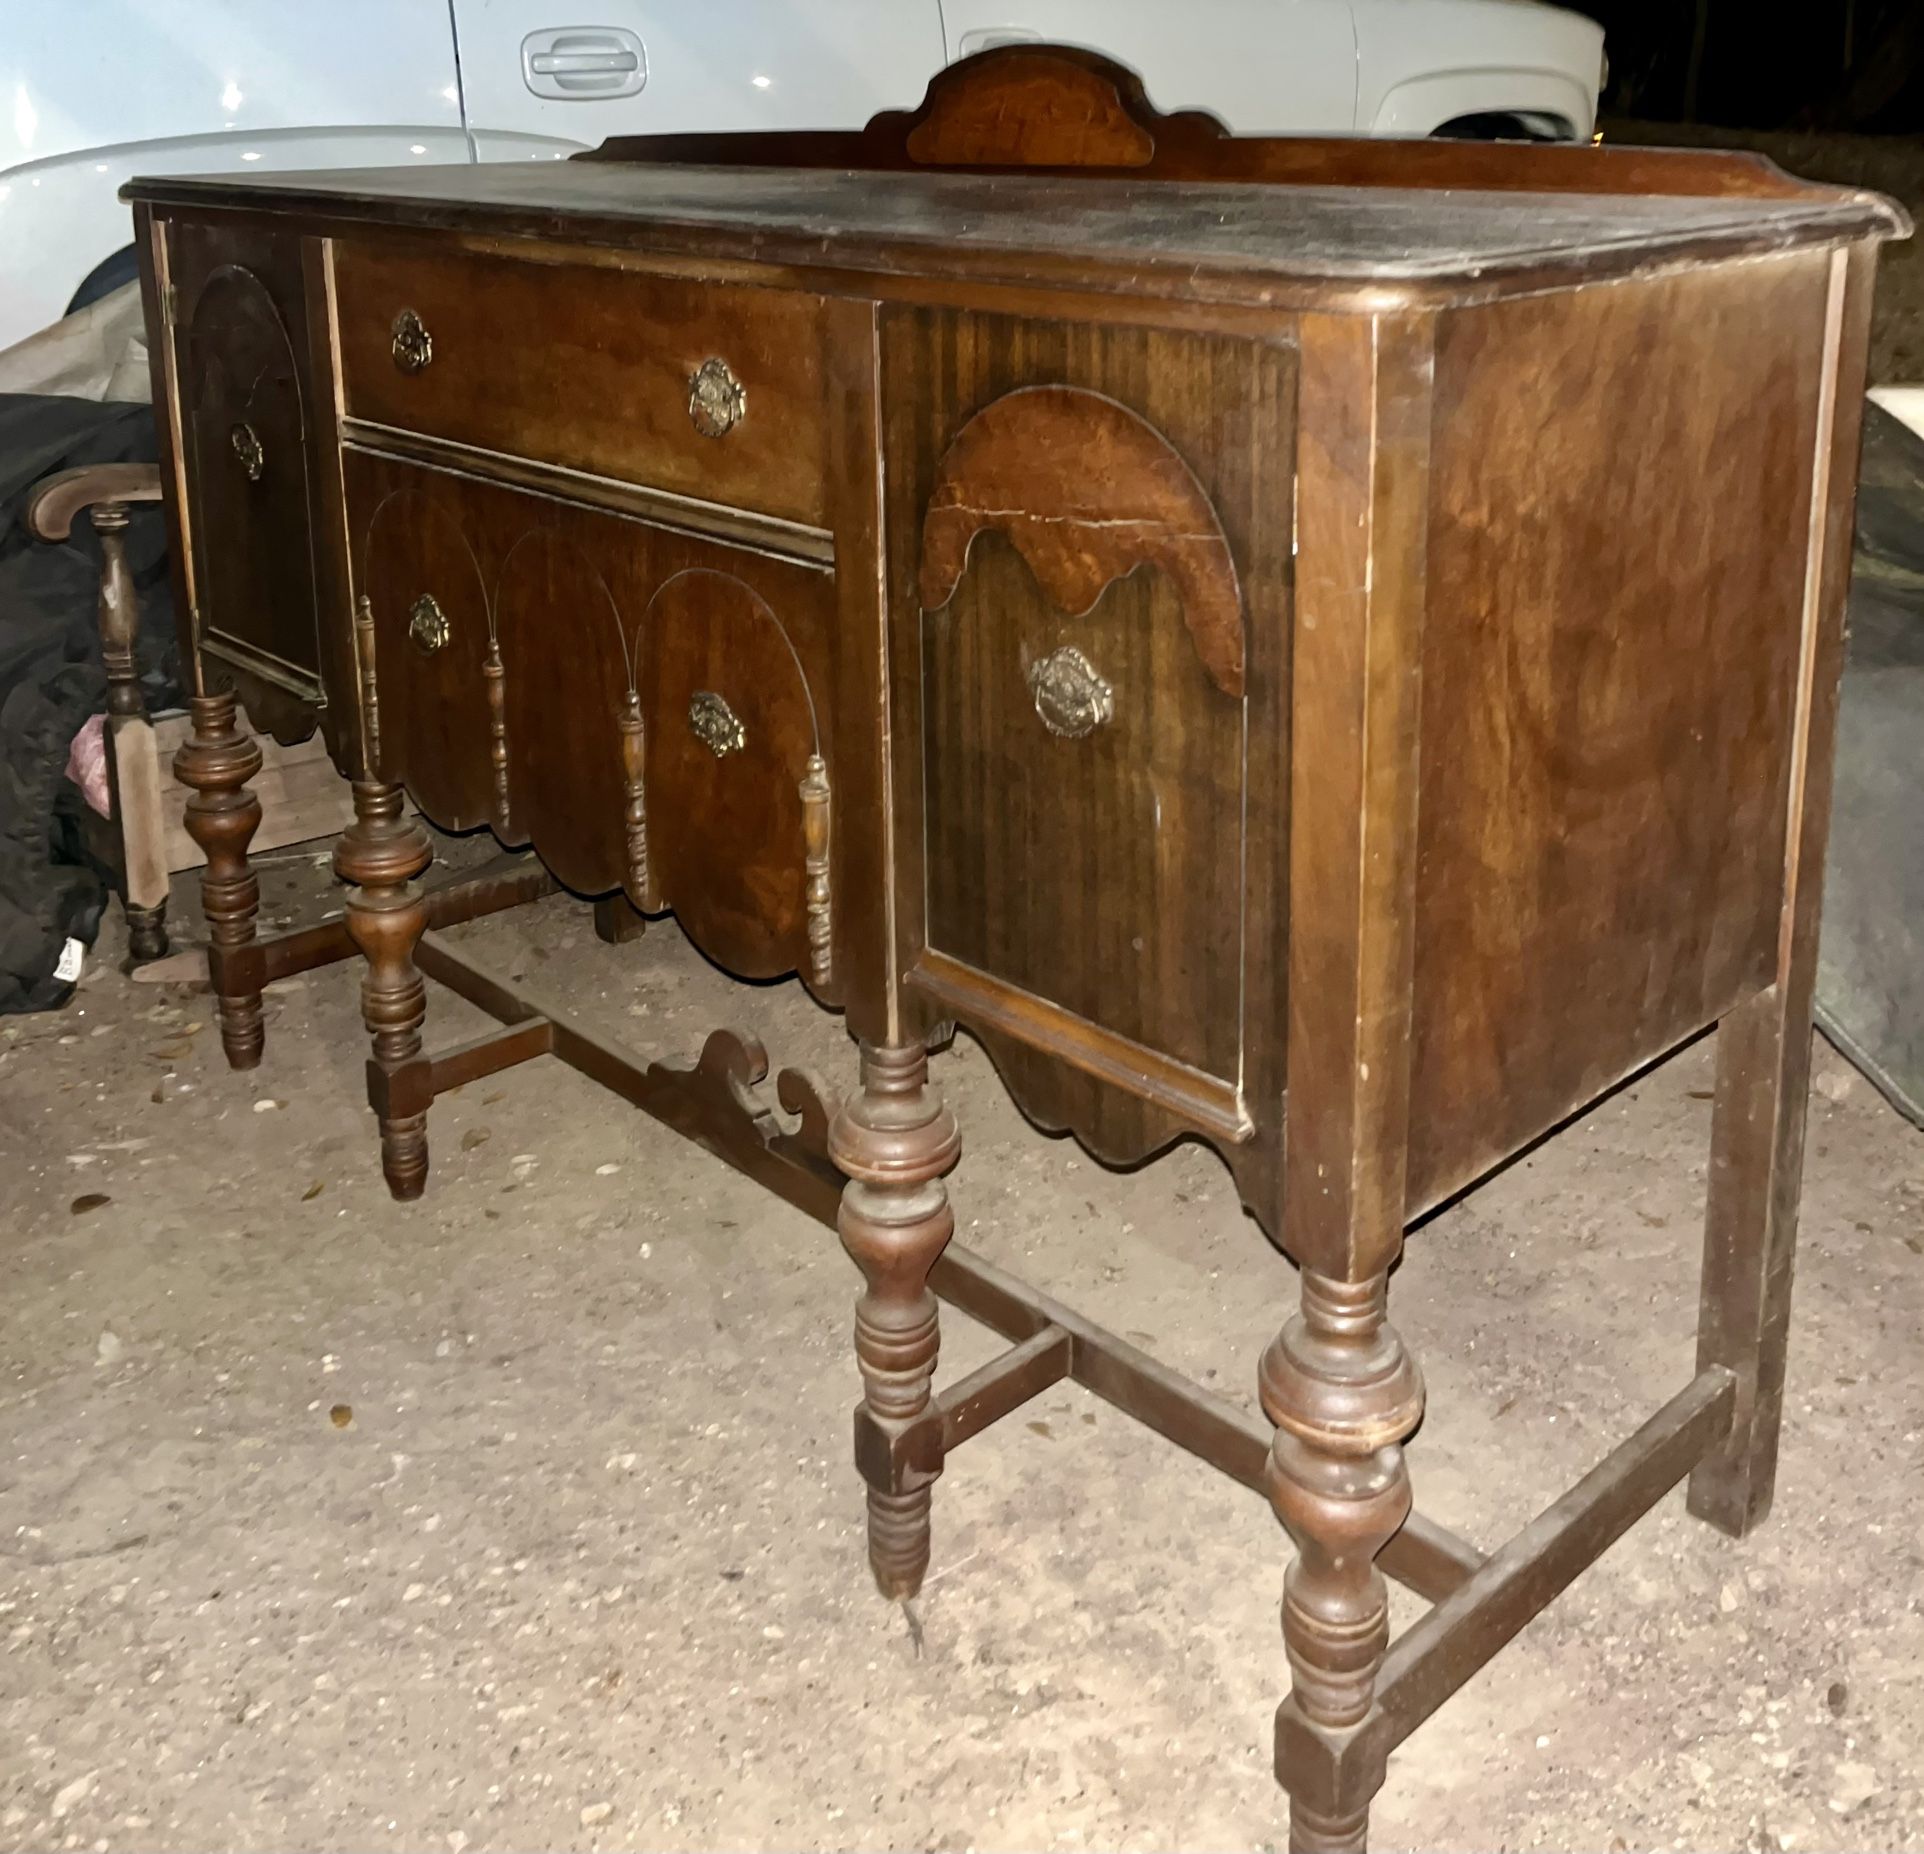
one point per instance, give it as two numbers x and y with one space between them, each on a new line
1238 241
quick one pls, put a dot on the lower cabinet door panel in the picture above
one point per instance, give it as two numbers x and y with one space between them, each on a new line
642 705
1090 581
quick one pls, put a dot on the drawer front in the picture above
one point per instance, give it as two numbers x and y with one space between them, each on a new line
245 427
1089 571
643 705
707 390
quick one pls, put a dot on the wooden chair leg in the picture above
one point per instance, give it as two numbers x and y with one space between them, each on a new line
895 1139
133 761
217 761
380 854
1343 1393
146 932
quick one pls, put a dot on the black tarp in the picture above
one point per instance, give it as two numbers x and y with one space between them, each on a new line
51 680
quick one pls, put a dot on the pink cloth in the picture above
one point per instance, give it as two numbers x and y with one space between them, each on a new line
87 765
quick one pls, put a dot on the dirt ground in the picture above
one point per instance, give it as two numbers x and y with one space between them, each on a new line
523 1518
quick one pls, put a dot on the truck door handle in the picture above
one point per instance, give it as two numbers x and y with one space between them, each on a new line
583 63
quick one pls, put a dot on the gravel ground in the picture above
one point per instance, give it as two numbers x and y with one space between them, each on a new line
522 1517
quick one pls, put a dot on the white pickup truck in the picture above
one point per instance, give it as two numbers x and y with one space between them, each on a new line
93 91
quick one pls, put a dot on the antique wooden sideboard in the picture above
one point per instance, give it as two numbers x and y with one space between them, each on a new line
1327 649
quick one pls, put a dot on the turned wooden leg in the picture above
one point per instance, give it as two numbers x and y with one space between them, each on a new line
895 1139
217 761
1343 1393
379 855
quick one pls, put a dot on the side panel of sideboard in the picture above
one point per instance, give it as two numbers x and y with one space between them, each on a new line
1609 686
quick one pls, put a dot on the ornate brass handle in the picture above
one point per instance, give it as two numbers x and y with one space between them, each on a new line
413 345
715 724
1069 696
428 627
247 448
716 399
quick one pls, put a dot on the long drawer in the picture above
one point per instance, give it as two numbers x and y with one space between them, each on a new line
709 390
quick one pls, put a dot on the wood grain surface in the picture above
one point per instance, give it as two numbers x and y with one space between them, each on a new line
592 369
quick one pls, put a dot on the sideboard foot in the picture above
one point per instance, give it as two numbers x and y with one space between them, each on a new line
894 1139
218 759
379 855
1343 1393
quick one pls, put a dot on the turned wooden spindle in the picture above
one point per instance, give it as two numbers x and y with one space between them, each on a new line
379 855
1343 1393
497 680
815 835
634 758
365 669
894 1140
217 760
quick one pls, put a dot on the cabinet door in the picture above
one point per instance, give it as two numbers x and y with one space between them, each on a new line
424 556
732 730
245 416
642 705
1089 589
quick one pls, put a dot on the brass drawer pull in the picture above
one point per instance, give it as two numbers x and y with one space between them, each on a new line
715 724
428 627
716 399
413 345
1069 696
247 448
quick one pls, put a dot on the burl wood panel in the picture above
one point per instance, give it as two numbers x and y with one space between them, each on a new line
1108 875
591 369
1616 564
1088 492
583 607
246 421
1047 111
